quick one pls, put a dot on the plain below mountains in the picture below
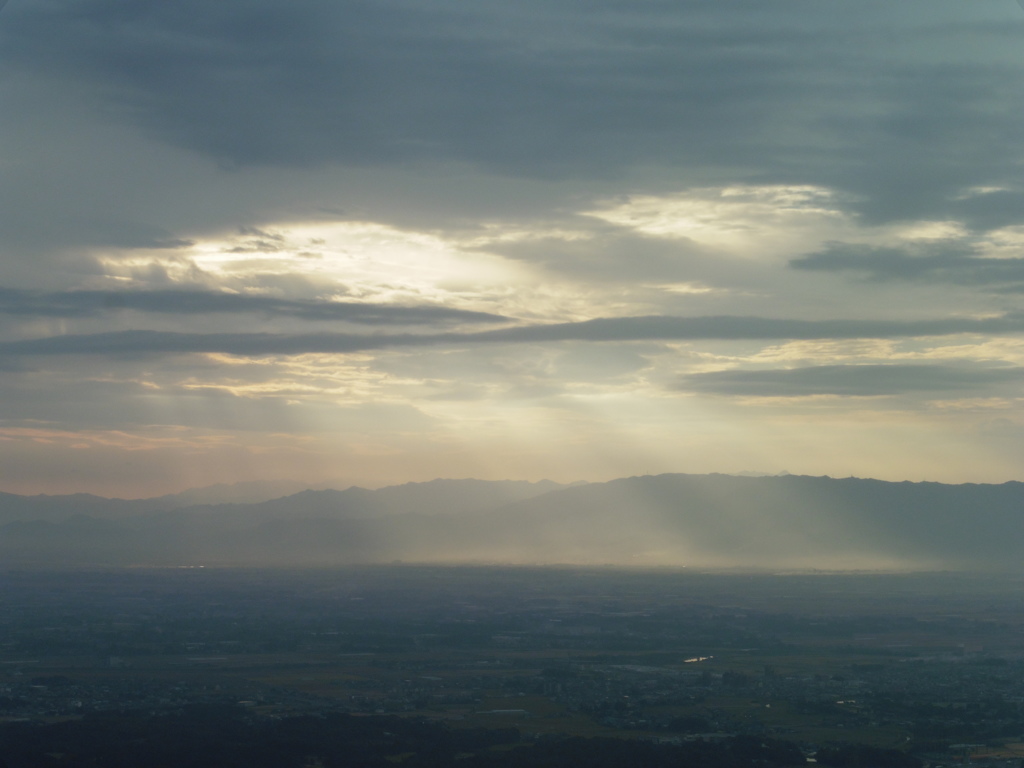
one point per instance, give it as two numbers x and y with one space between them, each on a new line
788 522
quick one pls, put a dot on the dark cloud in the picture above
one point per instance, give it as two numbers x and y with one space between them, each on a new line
654 328
557 89
370 82
989 210
98 231
190 302
851 380
940 262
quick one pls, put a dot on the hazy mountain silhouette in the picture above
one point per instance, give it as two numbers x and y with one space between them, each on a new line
268 499
436 497
251 492
696 520
57 508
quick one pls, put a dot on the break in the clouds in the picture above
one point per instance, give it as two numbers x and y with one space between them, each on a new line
382 240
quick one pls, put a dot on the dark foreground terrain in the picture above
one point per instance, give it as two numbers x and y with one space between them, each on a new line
434 666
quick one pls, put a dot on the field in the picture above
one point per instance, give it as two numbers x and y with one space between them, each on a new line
919 662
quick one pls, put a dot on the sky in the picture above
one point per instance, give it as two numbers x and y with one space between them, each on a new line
377 241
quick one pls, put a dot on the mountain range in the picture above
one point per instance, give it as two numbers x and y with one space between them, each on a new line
792 522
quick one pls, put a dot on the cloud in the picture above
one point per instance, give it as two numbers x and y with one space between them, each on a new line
611 253
652 165
44 400
458 370
75 304
661 328
989 209
939 262
558 90
653 328
850 380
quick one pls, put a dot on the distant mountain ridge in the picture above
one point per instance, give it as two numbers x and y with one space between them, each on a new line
59 507
432 497
785 521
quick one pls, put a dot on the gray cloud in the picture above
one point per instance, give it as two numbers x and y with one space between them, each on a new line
851 380
725 327
941 262
990 210
80 403
559 89
392 81
612 253
653 328
76 304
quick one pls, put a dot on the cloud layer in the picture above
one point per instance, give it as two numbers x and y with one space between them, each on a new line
834 96
72 304
381 240
598 330
852 380
939 262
